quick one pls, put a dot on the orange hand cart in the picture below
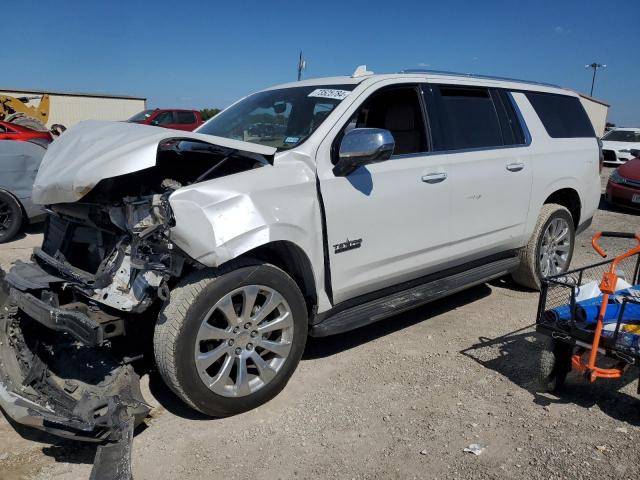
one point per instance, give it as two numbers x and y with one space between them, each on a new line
590 313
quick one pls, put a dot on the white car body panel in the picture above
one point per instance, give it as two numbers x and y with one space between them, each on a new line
409 228
94 150
618 147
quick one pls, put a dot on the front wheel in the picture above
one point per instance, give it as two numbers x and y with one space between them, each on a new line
550 247
228 340
10 216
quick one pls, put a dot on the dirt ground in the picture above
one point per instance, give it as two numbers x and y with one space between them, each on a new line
399 399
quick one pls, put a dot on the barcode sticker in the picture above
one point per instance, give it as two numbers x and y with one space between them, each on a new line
329 93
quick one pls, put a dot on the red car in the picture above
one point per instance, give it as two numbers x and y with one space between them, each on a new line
11 131
624 184
177 119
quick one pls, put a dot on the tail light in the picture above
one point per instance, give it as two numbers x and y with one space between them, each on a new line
600 156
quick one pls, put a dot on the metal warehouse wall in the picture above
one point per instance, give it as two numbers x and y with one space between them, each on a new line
71 109
597 112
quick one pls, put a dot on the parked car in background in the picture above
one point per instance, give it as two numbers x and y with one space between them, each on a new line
19 162
12 131
623 188
174 118
618 143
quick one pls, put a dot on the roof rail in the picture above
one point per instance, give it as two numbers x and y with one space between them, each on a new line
473 75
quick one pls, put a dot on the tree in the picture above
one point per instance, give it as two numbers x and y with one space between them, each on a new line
208 113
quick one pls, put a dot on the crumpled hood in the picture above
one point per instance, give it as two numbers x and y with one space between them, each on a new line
94 150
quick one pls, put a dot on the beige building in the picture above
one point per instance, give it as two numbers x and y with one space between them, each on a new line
70 108
597 111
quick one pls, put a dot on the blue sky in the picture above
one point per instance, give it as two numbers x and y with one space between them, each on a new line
207 54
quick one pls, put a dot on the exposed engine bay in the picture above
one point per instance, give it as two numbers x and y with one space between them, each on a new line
76 321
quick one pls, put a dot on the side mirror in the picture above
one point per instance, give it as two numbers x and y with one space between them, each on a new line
635 152
362 146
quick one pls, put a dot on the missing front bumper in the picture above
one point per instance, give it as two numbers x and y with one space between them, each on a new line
51 381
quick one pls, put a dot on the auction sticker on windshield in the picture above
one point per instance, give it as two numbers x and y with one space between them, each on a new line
329 93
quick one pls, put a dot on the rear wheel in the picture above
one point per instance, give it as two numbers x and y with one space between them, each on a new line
550 247
10 216
229 340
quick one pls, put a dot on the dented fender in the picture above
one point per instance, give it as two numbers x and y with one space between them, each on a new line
220 219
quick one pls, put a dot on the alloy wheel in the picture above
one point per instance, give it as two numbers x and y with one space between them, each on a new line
244 341
5 217
555 247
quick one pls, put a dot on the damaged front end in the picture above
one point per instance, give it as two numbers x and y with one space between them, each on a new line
77 318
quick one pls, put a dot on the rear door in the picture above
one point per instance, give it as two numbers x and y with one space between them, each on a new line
478 132
386 222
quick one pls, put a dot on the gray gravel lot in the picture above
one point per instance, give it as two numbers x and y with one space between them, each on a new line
399 399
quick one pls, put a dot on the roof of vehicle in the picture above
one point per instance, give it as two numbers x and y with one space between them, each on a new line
624 129
172 110
433 76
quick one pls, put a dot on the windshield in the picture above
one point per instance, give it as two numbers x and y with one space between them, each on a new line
141 117
282 118
622 136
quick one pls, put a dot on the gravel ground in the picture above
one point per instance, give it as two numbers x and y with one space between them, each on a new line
399 399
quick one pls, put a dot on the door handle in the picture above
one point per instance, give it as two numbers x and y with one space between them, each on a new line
515 167
435 177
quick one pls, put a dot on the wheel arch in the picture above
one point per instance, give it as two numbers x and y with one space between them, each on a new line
293 260
570 199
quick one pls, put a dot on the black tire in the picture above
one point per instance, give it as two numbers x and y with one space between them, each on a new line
528 273
182 315
553 364
11 217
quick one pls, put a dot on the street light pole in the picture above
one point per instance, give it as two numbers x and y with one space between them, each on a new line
595 67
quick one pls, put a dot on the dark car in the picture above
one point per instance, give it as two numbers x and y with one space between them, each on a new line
623 187
11 131
169 118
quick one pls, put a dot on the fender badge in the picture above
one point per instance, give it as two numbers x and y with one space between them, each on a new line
348 245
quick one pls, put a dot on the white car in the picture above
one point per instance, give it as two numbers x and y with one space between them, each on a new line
618 143
220 251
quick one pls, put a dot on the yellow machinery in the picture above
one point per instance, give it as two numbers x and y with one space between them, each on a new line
16 110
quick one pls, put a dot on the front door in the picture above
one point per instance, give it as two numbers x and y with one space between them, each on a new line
386 222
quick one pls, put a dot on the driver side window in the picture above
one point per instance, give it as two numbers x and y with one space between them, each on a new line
165 118
398 110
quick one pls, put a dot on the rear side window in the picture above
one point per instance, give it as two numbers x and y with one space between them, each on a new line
186 117
561 115
467 118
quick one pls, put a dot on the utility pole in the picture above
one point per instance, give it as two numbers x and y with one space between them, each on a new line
595 67
302 64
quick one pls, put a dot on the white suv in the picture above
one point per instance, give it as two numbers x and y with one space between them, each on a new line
314 207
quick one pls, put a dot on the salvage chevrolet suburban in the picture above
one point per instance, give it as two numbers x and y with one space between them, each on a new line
314 207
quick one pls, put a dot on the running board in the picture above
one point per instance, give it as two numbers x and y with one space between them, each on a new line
390 305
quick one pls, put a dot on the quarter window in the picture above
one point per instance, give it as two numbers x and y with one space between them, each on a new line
467 118
561 115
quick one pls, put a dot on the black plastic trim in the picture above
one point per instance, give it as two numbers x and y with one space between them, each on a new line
76 324
387 306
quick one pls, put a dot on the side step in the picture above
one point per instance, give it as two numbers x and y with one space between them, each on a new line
390 305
